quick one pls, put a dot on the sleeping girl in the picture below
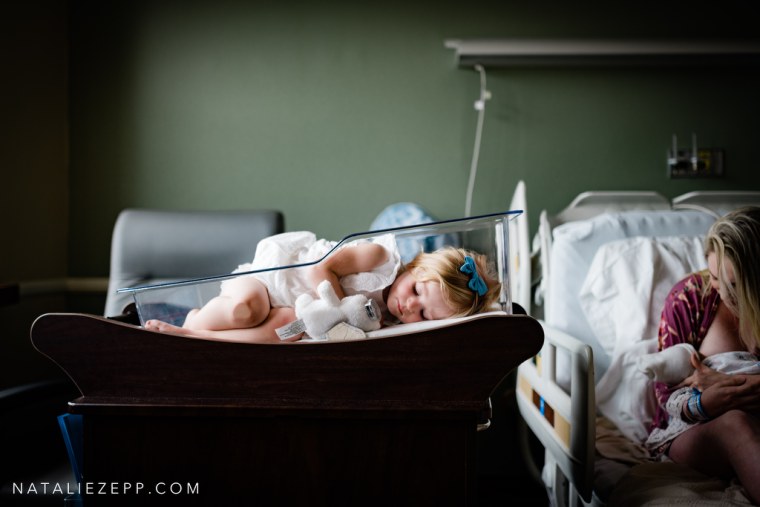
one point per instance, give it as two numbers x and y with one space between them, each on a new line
450 282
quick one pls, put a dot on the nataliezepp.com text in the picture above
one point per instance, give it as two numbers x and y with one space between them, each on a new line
106 488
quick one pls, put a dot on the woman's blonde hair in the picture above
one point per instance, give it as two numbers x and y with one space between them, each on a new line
444 266
735 238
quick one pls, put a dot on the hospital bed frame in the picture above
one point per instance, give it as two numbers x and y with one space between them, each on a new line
562 414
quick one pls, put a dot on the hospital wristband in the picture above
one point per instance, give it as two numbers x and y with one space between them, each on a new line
700 408
689 412
694 407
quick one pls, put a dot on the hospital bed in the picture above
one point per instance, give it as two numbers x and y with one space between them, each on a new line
604 266
388 419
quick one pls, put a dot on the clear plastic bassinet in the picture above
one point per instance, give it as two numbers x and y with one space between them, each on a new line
486 234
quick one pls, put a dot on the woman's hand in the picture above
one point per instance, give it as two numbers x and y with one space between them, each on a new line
721 392
736 392
703 376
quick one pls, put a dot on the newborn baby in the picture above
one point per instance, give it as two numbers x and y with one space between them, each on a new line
672 365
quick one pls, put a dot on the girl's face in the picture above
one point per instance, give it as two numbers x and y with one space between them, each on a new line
412 301
712 266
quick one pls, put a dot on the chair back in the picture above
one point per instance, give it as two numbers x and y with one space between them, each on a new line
155 246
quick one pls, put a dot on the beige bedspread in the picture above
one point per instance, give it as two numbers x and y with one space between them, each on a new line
627 477
668 483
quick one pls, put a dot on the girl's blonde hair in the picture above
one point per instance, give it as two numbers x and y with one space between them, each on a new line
443 266
735 238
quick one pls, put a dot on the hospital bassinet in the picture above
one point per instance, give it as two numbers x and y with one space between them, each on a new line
486 234
390 419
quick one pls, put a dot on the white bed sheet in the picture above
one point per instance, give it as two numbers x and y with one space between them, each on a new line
628 281
622 298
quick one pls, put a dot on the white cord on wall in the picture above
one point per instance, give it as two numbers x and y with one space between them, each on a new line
480 106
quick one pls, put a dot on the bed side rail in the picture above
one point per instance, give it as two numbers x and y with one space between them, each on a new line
562 420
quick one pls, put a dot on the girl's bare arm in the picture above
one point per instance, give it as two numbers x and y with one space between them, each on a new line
360 258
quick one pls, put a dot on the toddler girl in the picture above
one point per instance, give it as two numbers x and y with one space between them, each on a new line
450 282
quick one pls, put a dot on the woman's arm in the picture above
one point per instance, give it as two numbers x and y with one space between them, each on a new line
678 323
721 392
737 392
353 259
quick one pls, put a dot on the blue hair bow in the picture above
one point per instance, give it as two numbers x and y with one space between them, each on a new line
476 283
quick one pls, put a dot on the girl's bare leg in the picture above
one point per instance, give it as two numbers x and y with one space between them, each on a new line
243 303
728 445
263 333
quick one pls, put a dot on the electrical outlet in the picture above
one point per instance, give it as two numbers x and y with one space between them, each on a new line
707 164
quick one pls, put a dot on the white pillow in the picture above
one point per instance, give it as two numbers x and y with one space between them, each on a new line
628 281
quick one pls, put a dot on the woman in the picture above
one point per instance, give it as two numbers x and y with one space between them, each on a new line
713 425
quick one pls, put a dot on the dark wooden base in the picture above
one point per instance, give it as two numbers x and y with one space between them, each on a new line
212 460
386 421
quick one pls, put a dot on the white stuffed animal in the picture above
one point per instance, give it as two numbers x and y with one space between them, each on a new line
321 315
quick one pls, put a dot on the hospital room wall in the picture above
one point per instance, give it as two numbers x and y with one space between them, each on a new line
34 140
330 111
34 197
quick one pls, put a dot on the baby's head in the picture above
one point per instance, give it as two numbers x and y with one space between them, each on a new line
466 279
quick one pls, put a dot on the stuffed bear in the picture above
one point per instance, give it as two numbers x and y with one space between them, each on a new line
321 315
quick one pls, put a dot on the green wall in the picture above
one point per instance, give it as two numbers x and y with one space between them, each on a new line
331 111
33 140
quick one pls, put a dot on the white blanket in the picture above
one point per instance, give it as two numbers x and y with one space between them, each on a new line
622 298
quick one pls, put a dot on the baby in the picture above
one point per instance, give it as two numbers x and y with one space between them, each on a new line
672 365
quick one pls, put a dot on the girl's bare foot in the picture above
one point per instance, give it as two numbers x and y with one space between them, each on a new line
164 327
